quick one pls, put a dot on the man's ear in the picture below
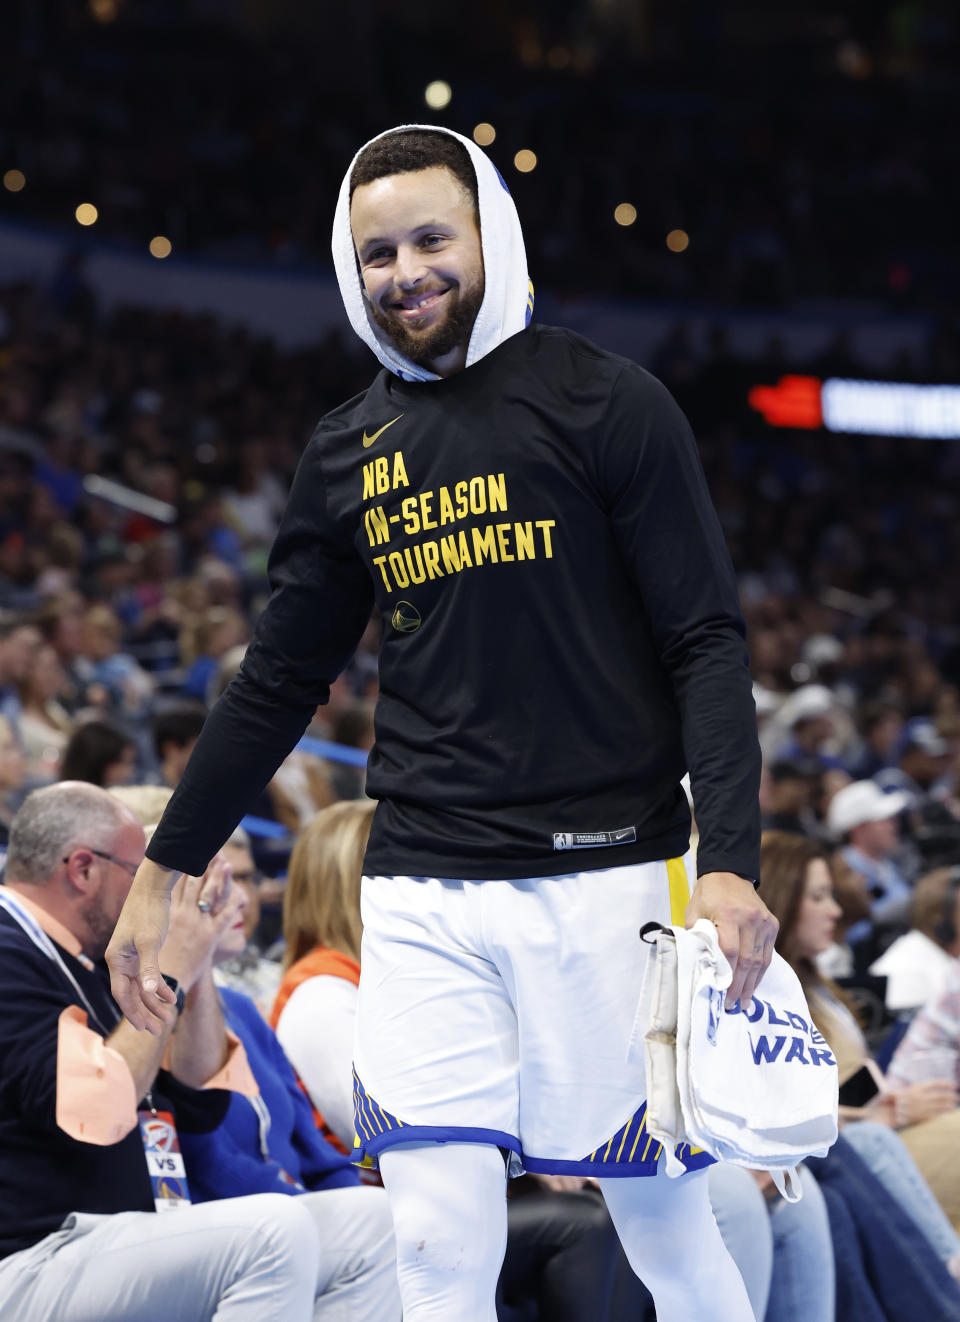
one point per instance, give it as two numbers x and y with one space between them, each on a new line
79 867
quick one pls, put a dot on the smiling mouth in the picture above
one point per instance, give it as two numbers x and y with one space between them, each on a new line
419 305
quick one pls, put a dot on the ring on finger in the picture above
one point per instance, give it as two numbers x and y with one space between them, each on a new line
204 906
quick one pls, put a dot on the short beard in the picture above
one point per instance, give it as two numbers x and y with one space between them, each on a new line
99 930
454 330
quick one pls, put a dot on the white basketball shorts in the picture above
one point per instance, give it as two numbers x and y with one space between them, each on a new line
501 1011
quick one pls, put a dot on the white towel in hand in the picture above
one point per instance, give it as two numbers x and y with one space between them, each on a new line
757 1087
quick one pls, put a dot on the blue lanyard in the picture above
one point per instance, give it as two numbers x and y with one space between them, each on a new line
44 944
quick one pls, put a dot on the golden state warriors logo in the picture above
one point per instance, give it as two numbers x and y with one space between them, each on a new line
406 618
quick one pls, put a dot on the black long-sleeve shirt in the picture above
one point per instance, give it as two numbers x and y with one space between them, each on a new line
562 636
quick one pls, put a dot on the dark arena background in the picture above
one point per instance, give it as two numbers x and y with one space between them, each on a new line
757 202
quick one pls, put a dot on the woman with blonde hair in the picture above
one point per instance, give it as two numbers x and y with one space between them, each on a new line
322 930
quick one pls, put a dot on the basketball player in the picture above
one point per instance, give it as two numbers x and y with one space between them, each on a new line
562 641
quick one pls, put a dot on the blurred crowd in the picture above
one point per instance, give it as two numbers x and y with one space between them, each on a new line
802 155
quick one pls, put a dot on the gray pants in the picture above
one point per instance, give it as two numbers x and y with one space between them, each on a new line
267 1258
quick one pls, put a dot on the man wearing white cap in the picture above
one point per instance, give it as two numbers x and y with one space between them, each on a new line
865 819
562 642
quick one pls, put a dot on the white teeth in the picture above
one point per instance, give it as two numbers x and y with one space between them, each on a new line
427 298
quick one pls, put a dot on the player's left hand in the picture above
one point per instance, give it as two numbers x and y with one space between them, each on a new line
746 928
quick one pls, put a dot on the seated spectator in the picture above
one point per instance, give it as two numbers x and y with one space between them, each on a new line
248 970
82 1170
112 679
921 759
322 929
43 723
205 640
268 1143
559 1246
880 726
100 753
12 773
790 786
19 640
922 772
797 888
806 727
60 620
841 959
864 819
929 1050
919 963
146 802
353 728
175 731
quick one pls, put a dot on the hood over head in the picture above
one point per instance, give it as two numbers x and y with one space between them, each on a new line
508 292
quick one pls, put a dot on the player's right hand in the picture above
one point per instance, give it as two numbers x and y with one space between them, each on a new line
135 980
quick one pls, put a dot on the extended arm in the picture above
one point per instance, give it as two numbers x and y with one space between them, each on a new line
671 539
320 604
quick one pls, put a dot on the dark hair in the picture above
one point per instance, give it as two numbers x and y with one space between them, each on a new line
408 150
93 747
177 725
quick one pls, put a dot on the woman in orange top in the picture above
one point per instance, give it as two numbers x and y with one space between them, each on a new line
322 930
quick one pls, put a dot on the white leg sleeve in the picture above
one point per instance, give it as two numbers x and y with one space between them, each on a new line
449 1205
670 1236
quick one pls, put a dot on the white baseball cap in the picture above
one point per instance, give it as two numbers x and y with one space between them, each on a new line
805 703
863 801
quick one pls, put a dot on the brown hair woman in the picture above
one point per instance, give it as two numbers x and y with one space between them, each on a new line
798 889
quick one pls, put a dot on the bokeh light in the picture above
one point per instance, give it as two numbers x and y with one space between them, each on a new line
438 94
678 240
86 213
14 180
525 160
484 134
160 246
625 213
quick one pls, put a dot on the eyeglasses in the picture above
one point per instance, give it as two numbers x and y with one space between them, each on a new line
129 868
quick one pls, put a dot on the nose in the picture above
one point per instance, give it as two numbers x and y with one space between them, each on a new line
409 267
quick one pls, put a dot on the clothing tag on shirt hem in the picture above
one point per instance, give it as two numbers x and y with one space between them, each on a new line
625 835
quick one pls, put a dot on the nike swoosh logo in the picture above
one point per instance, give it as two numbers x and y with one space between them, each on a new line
369 440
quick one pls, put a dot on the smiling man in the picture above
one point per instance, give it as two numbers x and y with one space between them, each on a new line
423 276
562 641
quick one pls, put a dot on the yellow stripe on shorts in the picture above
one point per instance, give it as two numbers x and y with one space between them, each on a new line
679 890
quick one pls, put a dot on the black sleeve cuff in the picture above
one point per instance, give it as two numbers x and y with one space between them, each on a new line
195 1110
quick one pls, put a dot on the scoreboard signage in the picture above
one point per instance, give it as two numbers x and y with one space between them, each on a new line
864 408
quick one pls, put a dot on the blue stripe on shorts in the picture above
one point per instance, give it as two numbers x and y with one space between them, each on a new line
630 1152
